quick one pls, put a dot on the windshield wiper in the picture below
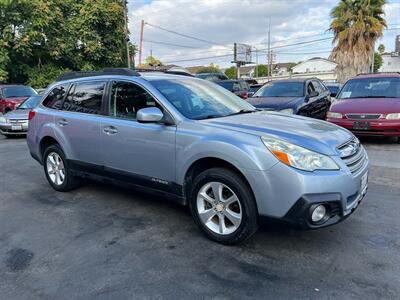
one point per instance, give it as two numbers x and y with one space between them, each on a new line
243 111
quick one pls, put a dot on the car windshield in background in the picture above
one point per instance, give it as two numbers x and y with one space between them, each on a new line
226 84
385 87
31 102
333 88
281 89
18 91
197 99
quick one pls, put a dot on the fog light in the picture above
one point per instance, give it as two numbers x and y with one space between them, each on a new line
318 213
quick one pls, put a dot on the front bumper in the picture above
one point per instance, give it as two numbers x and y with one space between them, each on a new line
287 194
380 127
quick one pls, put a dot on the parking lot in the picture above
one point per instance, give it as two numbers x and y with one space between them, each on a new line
105 242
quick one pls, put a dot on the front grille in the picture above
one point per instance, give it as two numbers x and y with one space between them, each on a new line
363 116
355 160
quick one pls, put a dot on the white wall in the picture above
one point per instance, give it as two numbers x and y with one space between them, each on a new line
314 65
390 63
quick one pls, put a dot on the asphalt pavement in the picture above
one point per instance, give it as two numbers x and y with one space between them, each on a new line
105 242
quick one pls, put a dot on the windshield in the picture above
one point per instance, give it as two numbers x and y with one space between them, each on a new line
333 88
198 99
385 87
281 89
31 102
18 91
228 85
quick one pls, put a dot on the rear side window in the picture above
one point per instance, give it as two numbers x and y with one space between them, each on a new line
55 98
85 97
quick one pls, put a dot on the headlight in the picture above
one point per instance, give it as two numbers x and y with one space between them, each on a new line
287 111
395 116
299 157
3 120
334 115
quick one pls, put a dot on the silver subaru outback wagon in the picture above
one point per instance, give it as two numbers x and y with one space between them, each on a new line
200 145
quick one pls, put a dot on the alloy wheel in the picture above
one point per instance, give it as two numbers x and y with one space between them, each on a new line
55 168
219 208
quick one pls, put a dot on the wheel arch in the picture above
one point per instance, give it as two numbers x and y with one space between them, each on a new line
205 163
46 142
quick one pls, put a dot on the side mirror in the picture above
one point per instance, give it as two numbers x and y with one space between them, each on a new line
333 94
149 115
313 94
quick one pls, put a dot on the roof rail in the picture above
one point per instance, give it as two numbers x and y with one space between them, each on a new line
106 71
173 72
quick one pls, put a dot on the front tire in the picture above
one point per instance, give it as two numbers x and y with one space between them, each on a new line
57 170
223 206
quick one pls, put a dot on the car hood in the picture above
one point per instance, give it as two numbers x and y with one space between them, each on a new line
274 103
18 114
367 105
316 135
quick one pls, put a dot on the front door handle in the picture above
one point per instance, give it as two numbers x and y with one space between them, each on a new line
62 122
110 130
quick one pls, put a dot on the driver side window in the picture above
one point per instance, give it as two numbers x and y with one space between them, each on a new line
127 98
310 88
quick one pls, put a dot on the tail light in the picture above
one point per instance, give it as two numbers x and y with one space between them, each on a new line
245 95
31 115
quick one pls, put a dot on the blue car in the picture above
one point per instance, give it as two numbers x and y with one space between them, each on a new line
302 96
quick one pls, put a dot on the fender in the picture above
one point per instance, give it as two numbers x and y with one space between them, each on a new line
242 156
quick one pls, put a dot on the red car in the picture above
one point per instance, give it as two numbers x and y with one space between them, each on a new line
369 105
13 95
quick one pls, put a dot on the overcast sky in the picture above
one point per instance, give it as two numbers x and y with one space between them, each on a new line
220 23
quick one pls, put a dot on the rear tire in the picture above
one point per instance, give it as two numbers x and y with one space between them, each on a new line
57 170
231 216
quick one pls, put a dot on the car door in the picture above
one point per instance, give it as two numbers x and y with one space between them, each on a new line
308 107
78 123
144 153
321 103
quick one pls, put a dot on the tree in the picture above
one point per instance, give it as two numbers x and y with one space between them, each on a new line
356 26
262 70
377 61
212 68
231 72
151 61
290 66
381 48
56 35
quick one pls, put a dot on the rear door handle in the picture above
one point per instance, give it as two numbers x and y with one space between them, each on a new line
62 122
110 130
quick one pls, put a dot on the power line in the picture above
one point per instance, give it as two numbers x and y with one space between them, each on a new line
182 34
265 49
170 44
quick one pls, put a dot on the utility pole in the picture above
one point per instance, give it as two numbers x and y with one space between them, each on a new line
269 50
256 62
141 43
126 31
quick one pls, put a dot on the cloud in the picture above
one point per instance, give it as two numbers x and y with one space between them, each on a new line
223 22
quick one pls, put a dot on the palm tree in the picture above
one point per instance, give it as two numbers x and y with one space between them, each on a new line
356 25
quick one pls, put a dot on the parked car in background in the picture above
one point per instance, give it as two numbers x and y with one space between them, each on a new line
200 145
13 95
238 87
254 88
369 105
333 88
16 122
212 76
306 97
